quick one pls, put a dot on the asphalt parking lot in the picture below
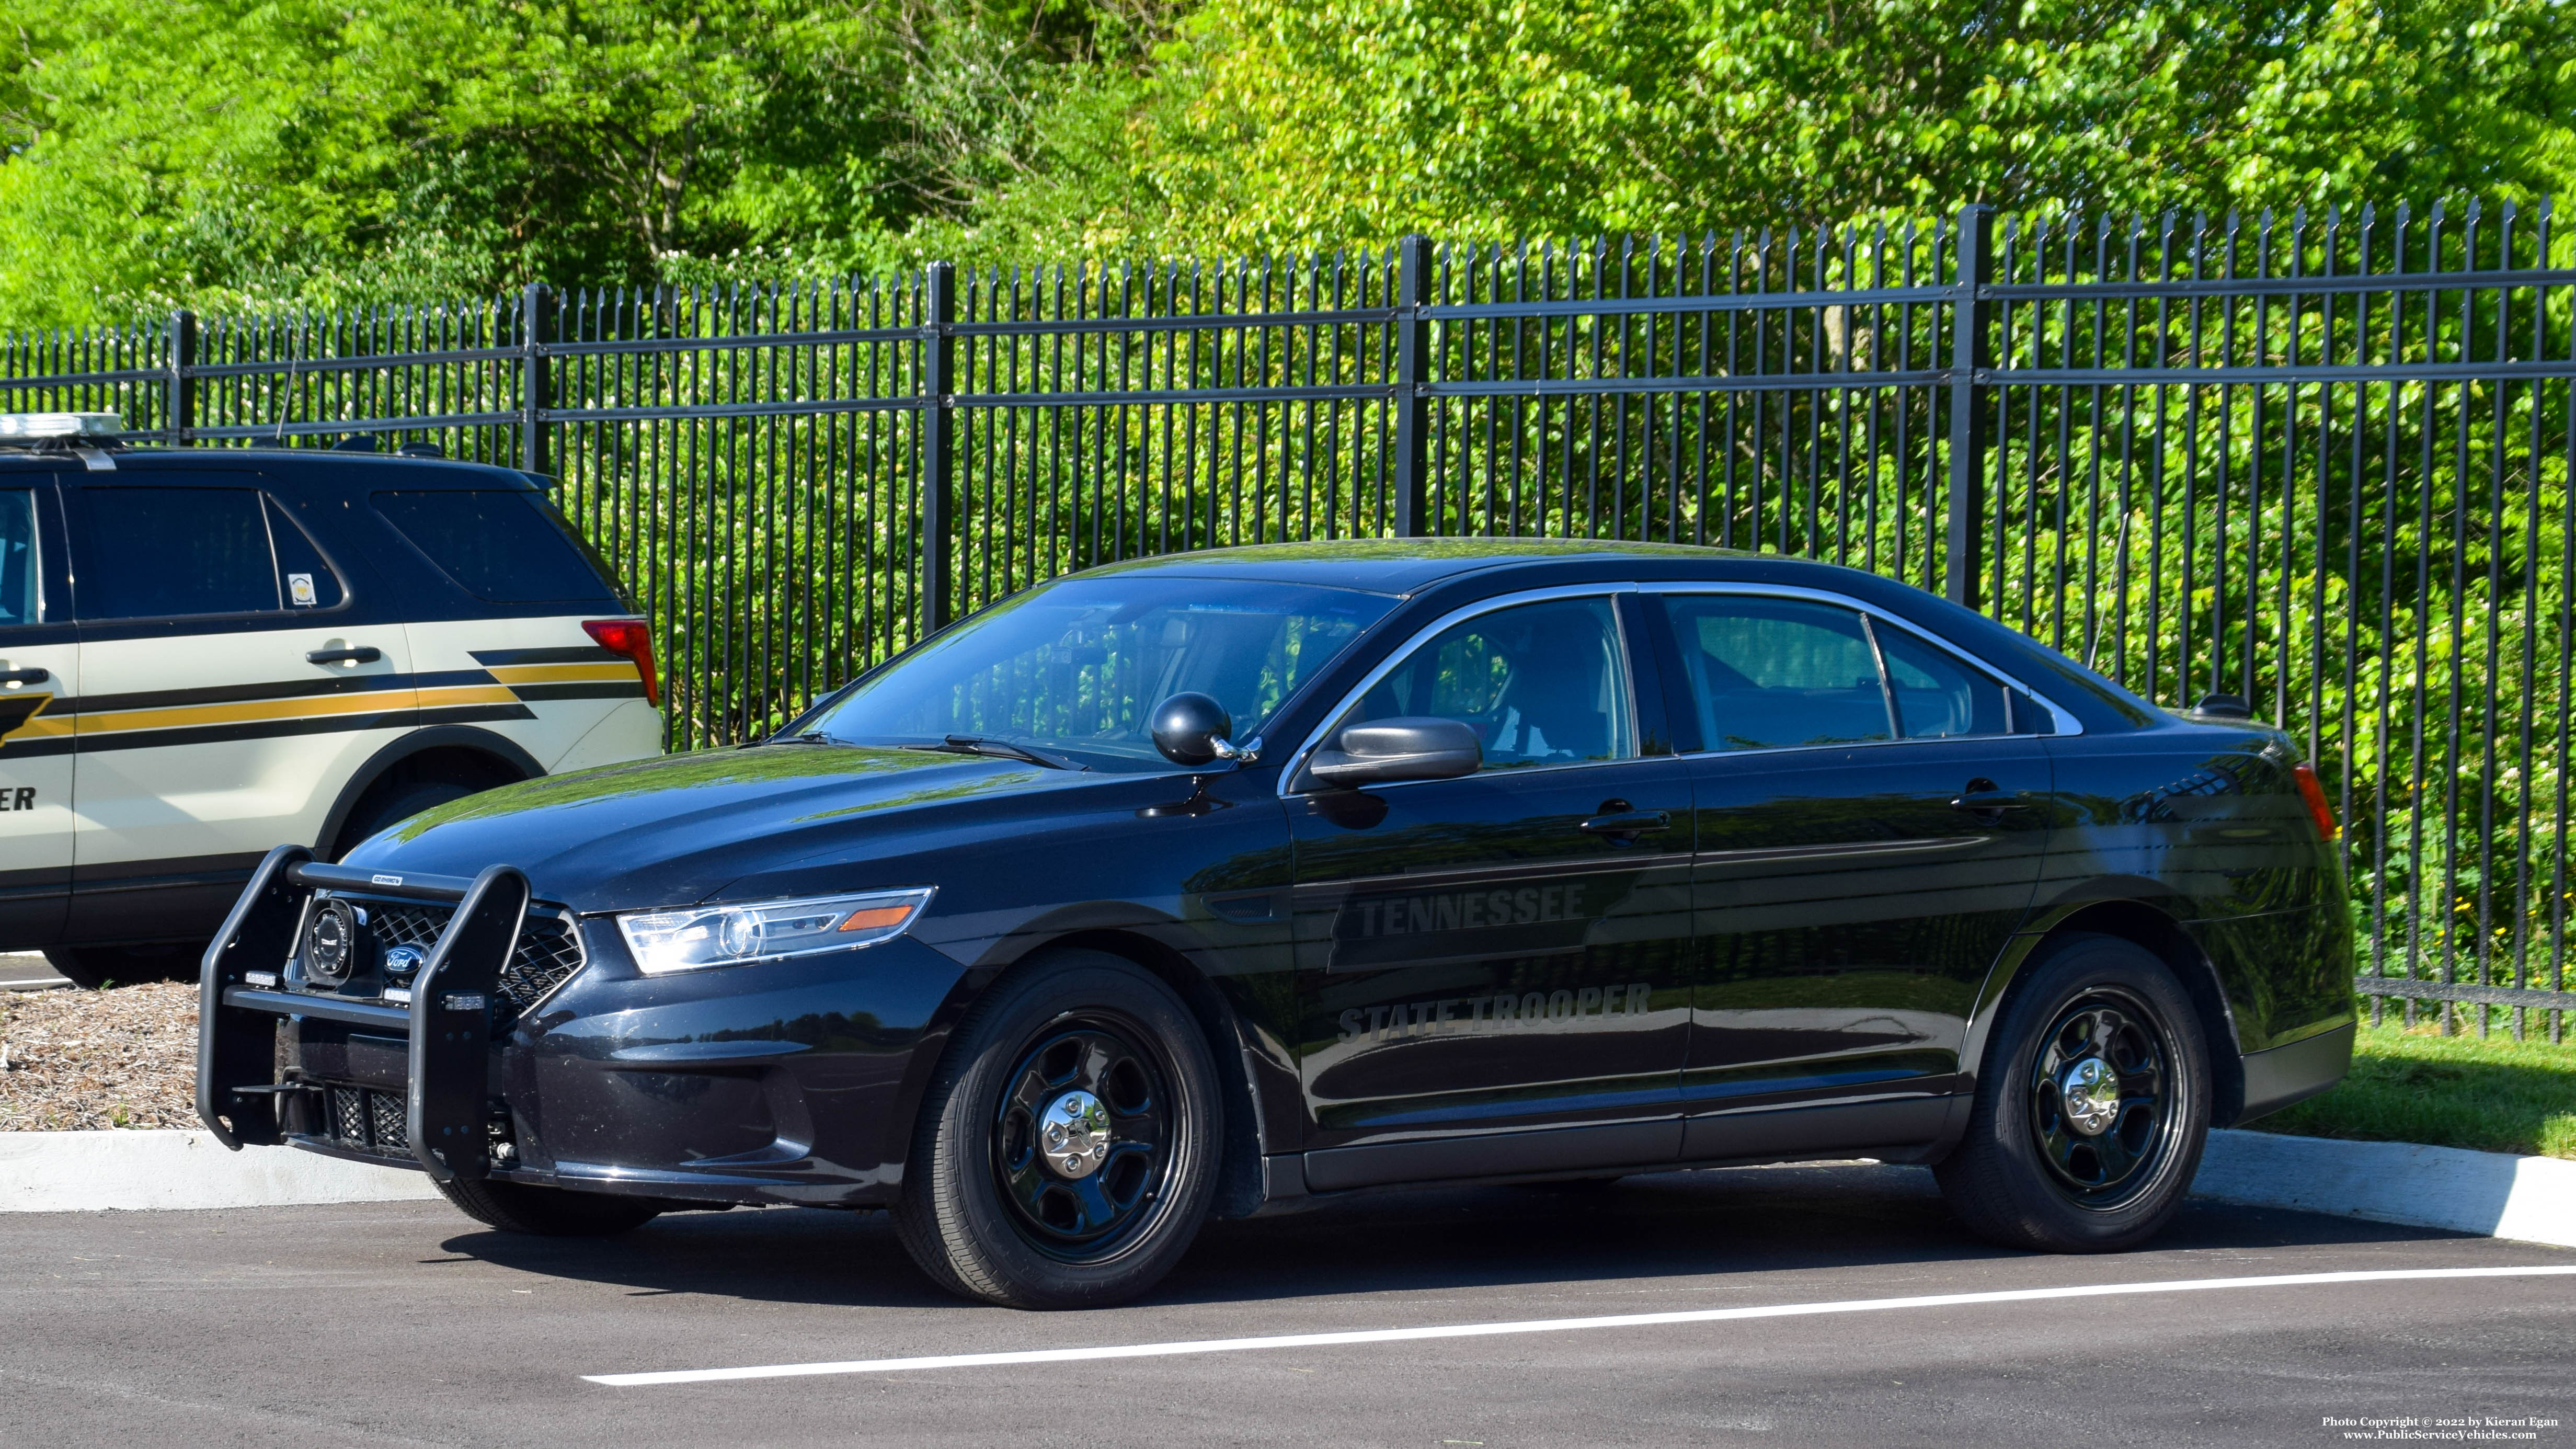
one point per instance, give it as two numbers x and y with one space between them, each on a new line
406 1323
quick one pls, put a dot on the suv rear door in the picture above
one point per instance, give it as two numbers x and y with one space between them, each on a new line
228 676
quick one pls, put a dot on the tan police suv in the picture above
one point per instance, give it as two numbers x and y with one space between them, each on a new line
206 652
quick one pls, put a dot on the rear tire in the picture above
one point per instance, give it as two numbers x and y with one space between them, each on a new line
552 1212
997 1207
98 967
2093 1108
392 802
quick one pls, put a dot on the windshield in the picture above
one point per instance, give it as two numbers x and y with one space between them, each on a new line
1077 667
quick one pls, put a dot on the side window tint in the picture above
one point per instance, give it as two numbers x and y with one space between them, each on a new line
503 546
22 574
1937 696
303 579
1768 673
159 553
1541 684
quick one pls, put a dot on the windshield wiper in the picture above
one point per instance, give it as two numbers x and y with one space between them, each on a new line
1000 749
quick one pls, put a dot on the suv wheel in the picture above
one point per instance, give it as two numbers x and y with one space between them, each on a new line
390 803
1067 1147
553 1212
2091 1115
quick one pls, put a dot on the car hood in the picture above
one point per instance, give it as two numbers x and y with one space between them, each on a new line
677 830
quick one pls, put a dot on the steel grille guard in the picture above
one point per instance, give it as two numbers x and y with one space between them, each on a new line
449 1023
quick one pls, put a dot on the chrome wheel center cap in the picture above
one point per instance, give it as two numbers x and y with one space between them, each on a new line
2090 1090
1073 1135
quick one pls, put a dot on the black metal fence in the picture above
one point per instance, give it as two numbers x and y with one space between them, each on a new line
2321 462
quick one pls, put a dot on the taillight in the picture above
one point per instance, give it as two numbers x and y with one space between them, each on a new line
2314 792
633 638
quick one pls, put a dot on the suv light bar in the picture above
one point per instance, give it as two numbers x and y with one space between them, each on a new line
35 426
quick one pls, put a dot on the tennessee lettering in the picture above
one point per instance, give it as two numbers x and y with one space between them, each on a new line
1463 911
1505 1012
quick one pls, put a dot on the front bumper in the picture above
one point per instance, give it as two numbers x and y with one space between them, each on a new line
448 1121
788 1082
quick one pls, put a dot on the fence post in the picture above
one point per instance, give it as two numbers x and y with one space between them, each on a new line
1412 389
938 441
536 381
179 407
1971 321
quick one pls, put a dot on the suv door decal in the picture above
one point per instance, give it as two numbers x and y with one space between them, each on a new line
43 724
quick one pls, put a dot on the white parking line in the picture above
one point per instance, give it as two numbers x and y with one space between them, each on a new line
1543 1325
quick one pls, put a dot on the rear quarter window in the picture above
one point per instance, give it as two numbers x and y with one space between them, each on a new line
501 546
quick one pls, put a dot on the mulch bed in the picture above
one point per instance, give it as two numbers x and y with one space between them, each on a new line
73 1059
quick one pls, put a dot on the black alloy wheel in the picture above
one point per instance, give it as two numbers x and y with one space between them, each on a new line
1067 1147
2092 1104
1083 1137
2098 1096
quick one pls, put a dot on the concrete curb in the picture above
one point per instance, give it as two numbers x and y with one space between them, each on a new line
2531 1199
54 1172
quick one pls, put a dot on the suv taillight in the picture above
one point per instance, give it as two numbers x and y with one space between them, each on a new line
632 638
2314 792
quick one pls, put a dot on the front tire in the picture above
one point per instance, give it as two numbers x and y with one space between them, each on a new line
551 1212
2090 1118
1066 1152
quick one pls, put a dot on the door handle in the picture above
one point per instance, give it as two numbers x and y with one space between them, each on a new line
363 654
1984 797
1628 822
25 676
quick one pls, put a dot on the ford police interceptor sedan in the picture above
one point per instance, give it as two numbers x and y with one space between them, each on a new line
204 652
1221 883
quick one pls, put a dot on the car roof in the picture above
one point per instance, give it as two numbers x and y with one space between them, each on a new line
391 470
1403 566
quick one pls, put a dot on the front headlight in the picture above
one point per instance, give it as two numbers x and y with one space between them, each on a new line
696 936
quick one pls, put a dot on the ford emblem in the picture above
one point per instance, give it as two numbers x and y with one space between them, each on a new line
403 960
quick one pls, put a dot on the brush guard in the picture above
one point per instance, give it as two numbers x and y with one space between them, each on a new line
448 1024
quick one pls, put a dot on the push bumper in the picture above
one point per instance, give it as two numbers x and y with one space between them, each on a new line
447 1028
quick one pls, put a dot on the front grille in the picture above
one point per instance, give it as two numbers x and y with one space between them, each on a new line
368 1121
549 950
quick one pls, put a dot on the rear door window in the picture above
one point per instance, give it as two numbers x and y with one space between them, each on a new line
172 553
1938 697
160 553
1771 673
499 545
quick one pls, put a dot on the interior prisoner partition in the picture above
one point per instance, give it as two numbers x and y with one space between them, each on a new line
2320 462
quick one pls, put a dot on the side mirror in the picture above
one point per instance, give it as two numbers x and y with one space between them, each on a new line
1387 750
1193 729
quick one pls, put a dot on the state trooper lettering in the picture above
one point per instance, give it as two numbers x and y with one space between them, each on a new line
1502 1012
17 797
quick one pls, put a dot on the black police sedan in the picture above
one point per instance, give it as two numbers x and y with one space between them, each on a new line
1219 883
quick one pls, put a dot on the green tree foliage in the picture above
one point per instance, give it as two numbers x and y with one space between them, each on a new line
245 151
232 152
1316 122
